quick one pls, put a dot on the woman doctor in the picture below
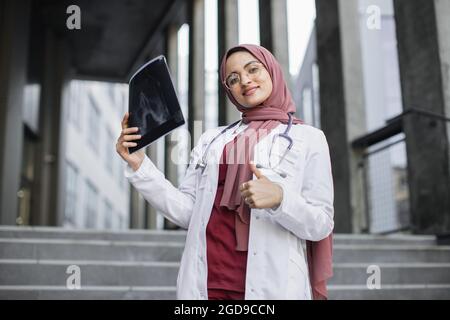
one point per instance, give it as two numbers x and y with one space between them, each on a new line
257 197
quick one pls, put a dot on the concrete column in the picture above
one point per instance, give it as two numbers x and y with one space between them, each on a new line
50 169
142 214
154 220
137 210
355 105
342 105
274 32
172 57
171 168
265 24
228 37
442 8
14 33
196 66
423 55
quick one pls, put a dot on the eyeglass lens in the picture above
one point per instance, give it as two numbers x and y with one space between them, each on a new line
253 70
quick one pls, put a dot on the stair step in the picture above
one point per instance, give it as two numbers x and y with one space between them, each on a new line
92 273
120 273
180 235
393 239
398 273
86 293
390 253
87 234
52 249
387 292
143 264
390 292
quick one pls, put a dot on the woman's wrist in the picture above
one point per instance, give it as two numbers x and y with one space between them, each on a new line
279 197
136 166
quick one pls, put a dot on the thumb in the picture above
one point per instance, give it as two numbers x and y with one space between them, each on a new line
256 171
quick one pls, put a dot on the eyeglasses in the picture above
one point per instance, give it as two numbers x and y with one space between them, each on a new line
253 70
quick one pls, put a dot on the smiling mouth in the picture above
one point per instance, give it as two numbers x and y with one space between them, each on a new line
250 92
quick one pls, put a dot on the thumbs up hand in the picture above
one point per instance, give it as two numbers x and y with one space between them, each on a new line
261 193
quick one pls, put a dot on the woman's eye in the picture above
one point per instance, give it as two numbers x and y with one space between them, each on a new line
233 81
253 70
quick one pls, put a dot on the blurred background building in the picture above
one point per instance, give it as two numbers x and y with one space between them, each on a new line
97 193
374 75
385 171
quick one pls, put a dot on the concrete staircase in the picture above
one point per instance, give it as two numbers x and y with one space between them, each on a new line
144 265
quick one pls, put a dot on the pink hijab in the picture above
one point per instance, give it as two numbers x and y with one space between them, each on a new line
262 119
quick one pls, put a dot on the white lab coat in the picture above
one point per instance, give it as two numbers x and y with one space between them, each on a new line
276 263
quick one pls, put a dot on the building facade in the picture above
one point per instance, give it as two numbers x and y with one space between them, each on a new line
97 195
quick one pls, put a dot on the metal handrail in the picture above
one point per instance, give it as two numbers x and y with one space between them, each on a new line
421 112
393 127
367 154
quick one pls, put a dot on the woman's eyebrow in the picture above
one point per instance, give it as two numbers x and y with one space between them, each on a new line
248 63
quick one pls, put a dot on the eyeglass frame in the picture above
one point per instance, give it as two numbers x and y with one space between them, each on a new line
224 82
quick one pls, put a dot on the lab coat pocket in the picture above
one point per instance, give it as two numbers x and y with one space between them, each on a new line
290 163
201 179
297 286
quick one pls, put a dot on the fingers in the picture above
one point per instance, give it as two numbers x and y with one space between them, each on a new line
132 137
246 193
126 136
130 130
252 202
125 120
129 144
255 202
256 171
251 196
244 186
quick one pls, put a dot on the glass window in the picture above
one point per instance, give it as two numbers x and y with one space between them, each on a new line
211 62
71 194
307 106
115 220
300 22
248 17
121 221
122 176
93 134
75 102
91 205
110 154
32 94
107 216
316 95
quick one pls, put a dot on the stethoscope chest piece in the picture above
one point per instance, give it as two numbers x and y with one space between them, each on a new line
200 165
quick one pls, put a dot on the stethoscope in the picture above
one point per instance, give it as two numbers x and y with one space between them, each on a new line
285 135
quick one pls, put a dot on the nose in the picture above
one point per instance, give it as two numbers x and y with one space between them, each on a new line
245 79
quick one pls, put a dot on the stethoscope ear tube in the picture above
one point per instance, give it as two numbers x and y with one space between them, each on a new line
202 163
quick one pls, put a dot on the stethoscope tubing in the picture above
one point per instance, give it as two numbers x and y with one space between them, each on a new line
202 163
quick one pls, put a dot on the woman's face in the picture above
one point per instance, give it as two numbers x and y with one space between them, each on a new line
247 78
